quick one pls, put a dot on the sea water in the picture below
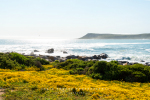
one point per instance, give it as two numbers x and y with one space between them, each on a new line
115 48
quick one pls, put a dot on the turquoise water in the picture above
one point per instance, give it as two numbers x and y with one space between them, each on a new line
134 49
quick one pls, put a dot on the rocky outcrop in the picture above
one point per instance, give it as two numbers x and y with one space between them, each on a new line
64 52
84 58
50 50
123 62
115 36
52 58
36 51
103 55
62 59
147 63
100 57
71 57
32 54
96 57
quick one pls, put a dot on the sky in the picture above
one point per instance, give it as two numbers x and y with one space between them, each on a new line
72 18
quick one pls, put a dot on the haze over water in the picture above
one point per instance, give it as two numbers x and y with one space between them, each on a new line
115 48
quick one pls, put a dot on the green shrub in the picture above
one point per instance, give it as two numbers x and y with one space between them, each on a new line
42 61
39 65
7 63
139 76
80 69
21 59
56 61
90 63
73 71
96 75
17 61
115 62
71 66
81 65
100 67
108 70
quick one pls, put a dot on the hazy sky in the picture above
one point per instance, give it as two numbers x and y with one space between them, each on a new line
73 18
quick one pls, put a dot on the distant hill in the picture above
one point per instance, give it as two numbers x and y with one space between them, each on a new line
115 36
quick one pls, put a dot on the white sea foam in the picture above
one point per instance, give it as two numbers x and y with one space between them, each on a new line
116 49
147 50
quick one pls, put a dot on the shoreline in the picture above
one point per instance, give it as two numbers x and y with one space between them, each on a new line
101 57
62 56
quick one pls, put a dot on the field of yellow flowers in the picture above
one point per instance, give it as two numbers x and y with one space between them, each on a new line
59 84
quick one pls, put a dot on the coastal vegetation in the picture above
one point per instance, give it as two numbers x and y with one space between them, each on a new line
20 62
72 79
107 70
115 36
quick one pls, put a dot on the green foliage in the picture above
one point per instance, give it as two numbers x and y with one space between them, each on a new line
81 65
56 61
100 67
18 57
70 64
39 65
96 75
17 61
108 70
73 71
90 63
6 62
80 69
113 61
42 61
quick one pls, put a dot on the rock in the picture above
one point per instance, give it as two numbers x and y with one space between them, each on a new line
147 63
126 58
120 63
103 55
89 59
8 52
32 54
57 57
96 57
40 56
52 58
130 63
84 58
94 60
135 63
142 61
50 50
62 59
44 57
36 51
125 63
65 52
26 55
71 56
99 57
23 53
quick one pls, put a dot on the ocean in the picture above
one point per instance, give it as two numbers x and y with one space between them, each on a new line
134 50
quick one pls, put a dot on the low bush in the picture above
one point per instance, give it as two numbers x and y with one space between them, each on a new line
42 61
17 61
108 70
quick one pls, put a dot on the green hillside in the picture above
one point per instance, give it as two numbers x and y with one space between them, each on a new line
115 36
